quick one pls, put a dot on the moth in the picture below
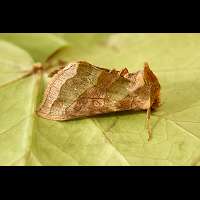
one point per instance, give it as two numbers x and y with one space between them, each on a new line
81 89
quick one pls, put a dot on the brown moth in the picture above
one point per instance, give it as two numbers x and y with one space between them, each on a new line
81 89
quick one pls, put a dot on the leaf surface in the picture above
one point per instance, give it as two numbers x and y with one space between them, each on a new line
39 45
14 62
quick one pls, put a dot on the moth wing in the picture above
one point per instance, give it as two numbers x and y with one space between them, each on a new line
65 87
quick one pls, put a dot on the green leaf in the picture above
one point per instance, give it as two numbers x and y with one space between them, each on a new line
39 45
113 139
13 62
81 46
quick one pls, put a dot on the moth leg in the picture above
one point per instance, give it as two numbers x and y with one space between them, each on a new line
148 123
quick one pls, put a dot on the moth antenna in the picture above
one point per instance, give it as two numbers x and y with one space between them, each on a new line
148 123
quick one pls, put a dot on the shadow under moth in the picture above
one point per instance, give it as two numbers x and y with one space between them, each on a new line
81 89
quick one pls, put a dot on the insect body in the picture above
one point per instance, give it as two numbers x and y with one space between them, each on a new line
81 89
